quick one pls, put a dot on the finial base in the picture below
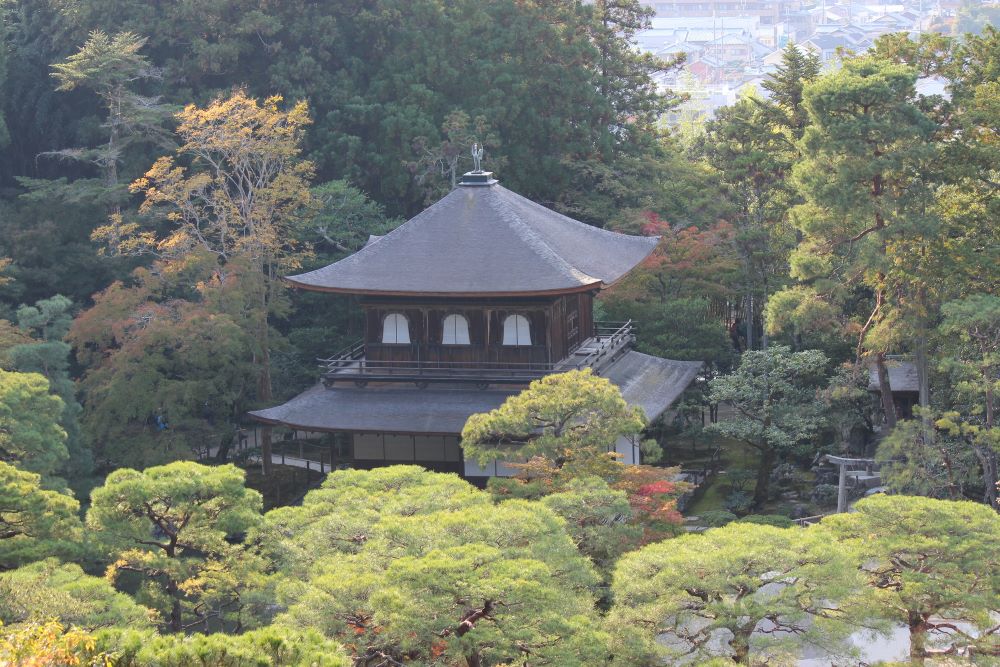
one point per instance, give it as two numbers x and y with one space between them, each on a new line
477 178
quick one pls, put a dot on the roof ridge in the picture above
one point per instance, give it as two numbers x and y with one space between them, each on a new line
533 240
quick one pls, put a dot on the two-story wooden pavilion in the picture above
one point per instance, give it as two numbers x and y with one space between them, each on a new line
464 305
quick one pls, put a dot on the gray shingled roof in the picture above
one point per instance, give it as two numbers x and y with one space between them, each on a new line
650 382
482 240
902 376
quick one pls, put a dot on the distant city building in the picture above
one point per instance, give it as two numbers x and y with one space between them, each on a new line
732 44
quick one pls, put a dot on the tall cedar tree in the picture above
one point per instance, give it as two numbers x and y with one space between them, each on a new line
111 66
752 144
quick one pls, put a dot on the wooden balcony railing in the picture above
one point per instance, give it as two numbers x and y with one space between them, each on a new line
427 364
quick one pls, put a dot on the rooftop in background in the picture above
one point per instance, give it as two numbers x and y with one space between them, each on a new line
484 240
902 376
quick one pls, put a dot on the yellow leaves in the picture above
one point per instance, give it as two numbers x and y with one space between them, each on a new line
122 238
243 193
48 644
951 422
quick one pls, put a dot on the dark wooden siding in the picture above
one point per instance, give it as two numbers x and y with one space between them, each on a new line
552 321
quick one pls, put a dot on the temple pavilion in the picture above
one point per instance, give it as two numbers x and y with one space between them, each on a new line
464 305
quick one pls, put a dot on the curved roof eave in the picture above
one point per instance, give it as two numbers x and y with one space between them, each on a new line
586 287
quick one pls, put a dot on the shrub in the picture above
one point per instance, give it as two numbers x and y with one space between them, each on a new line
825 495
776 520
738 502
717 518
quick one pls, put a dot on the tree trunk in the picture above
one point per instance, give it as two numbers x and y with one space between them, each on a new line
267 465
918 638
888 405
741 648
222 454
923 372
764 467
988 457
474 660
988 461
264 389
175 607
763 309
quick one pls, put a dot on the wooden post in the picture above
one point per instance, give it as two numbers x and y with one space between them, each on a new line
842 490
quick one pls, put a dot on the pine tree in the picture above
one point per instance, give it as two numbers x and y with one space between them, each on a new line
798 67
862 178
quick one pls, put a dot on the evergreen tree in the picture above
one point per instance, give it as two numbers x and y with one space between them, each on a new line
34 523
179 528
778 409
403 565
50 589
4 136
111 66
30 434
563 417
48 323
932 565
799 66
737 592
862 180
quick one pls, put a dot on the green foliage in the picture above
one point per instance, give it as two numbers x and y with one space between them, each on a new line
865 217
167 374
264 647
918 459
786 84
778 410
562 416
30 434
179 526
682 329
717 518
346 217
776 520
47 589
929 560
34 522
381 560
111 66
437 168
597 518
4 135
48 323
761 584
970 332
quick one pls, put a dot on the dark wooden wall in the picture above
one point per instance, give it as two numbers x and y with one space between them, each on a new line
552 320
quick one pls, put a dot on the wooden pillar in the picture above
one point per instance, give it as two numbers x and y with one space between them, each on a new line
842 490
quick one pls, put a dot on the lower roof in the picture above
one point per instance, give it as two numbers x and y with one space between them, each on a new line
902 376
649 382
